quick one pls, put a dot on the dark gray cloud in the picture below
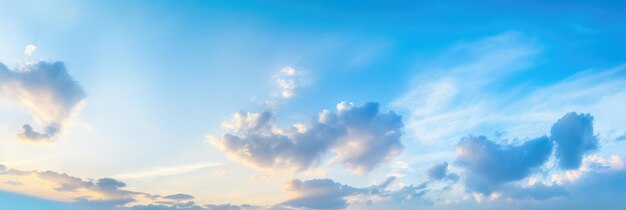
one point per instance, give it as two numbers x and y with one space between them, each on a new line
47 90
573 135
488 164
440 172
328 194
112 193
361 137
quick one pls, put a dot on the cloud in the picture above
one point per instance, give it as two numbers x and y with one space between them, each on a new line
179 197
66 182
233 207
371 137
49 93
29 134
319 194
488 164
255 140
478 87
29 49
573 135
440 172
104 193
328 194
360 137
453 95
287 82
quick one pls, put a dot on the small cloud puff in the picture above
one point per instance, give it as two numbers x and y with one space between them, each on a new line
488 165
29 49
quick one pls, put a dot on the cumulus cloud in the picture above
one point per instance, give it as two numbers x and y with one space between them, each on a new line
360 137
439 171
573 135
488 164
47 90
497 167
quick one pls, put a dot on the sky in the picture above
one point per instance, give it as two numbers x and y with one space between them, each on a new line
215 105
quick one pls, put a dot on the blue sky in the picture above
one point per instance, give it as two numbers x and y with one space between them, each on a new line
312 105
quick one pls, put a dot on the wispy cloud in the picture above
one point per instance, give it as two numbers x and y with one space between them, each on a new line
480 93
167 171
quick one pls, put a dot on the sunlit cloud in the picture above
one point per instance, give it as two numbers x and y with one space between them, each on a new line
361 138
29 49
49 93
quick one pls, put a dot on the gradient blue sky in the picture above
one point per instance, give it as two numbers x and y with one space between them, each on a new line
176 93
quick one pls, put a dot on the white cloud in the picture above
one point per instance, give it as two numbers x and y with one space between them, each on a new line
468 91
287 81
49 93
29 49
360 137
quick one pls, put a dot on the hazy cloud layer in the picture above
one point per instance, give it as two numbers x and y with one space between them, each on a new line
49 93
107 193
361 138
